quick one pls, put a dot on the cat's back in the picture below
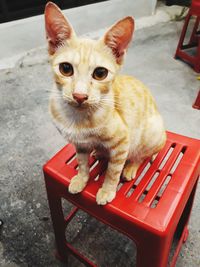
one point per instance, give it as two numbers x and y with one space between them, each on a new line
130 93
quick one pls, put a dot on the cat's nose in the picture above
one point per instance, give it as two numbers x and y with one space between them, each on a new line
80 98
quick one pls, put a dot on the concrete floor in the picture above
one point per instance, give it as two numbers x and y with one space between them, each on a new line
28 140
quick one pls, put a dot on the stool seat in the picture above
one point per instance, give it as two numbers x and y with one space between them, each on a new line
147 208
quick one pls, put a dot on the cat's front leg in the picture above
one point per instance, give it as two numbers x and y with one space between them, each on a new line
78 182
118 157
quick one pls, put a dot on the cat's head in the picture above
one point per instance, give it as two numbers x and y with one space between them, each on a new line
84 69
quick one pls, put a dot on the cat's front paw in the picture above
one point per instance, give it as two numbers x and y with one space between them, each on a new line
76 185
104 196
130 171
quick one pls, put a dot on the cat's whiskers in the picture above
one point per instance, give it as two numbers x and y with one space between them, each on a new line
56 95
46 97
68 98
109 103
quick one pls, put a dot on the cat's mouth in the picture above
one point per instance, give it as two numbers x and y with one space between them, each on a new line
86 105
79 106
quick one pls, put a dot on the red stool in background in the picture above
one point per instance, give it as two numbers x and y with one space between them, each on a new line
149 210
197 101
194 38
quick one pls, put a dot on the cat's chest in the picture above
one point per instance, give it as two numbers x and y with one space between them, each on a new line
88 137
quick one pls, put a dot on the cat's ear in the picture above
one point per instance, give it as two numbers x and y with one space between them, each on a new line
58 29
119 36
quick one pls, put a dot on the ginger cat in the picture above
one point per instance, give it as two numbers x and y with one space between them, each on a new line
95 108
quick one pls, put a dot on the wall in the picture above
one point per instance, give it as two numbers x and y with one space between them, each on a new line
20 36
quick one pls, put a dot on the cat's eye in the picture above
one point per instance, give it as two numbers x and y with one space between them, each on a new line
66 69
100 73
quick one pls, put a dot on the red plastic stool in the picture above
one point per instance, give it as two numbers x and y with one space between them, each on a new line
149 209
194 38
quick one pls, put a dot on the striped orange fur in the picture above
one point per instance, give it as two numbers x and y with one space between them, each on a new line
95 108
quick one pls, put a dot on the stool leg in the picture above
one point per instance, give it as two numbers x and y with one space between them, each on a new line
197 64
153 252
197 101
184 220
58 222
182 227
193 38
183 33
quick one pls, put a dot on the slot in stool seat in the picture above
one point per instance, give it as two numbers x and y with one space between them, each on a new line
149 209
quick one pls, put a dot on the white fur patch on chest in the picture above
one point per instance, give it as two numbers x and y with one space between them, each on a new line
84 137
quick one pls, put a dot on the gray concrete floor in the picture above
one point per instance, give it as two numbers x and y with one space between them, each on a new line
28 140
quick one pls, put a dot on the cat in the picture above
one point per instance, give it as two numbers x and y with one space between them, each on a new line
96 108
